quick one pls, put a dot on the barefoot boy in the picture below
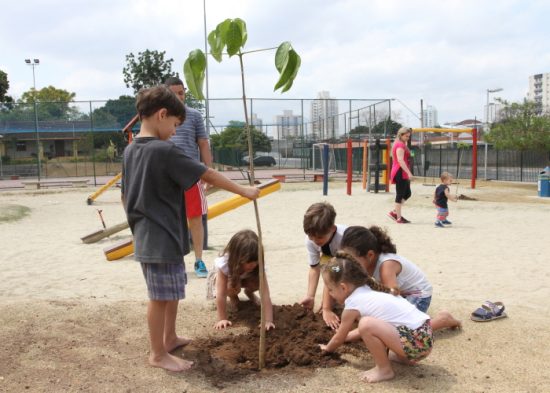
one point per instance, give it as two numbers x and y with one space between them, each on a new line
154 175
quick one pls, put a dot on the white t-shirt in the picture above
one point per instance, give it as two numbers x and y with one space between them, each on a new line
314 251
411 280
395 310
222 264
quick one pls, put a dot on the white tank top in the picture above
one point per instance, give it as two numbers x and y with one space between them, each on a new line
411 280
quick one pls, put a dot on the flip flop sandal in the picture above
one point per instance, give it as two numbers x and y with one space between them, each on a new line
489 311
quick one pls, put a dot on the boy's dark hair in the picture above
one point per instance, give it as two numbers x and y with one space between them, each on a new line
151 100
319 219
173 81
344 268
363 240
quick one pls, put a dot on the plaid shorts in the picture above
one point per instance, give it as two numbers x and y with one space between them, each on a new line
165 281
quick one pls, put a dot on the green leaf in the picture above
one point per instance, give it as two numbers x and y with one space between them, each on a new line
194 72
288 85
216 47
233 38
281 56
244 34
290 68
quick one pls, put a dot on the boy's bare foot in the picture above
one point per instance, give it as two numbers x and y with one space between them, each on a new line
170 363
377 375
176 343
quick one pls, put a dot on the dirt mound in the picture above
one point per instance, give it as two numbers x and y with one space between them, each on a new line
293 344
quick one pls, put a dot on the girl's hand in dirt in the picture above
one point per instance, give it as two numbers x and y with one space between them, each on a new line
269 326
331 319
308 302
323 347
224 323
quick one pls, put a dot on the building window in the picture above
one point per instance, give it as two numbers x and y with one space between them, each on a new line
21 146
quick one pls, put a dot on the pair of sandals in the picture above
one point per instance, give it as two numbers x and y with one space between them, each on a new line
488 311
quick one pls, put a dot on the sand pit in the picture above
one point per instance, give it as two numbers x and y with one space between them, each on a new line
71 321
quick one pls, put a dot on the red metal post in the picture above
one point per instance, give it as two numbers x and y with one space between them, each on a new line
474 157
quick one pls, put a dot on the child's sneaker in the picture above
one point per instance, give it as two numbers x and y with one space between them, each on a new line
439 224
402 221
200 269
446 222
393 215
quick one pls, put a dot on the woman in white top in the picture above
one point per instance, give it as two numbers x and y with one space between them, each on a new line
386 322
375 251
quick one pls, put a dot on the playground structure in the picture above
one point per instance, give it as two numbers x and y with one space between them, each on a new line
127 130
126 247
474 142
376 160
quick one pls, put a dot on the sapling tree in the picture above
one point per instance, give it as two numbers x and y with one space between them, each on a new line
229 38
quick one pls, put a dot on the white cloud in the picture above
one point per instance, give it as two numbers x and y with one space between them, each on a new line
447 53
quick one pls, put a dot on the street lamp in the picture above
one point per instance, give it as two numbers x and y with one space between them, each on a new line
34 63
486 128
489 91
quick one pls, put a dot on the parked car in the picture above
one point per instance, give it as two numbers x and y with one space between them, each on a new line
261 161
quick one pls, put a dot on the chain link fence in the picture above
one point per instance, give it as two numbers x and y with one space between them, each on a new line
53 139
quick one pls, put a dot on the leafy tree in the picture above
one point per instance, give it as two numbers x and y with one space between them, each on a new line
123 109
149 69
521 128
52 103
234 137
360 130
6 102
4 86
387 127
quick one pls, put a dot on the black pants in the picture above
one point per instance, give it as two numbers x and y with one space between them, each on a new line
402 187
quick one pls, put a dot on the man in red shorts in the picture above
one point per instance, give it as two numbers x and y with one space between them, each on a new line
192 138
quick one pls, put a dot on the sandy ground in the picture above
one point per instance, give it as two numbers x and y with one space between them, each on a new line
71 321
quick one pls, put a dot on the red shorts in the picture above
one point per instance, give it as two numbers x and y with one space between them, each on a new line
195 201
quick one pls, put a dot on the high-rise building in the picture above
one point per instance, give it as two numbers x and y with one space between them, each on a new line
430 116
324 116
539 91
256 122
287 124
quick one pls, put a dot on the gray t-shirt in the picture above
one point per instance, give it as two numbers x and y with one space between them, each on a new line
188 133
154 175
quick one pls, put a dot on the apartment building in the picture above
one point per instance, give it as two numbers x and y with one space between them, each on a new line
324 116
539 91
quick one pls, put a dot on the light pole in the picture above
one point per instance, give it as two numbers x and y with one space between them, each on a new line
34 63
486 129
489 91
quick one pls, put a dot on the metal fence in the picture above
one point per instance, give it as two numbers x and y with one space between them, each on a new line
52 139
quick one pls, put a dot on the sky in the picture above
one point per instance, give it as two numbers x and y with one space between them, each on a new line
444 52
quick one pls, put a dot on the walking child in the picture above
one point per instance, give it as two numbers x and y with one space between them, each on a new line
441 195
154 175
377 254
390 327
238 269
323 238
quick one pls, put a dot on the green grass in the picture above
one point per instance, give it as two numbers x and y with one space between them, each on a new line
10 213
